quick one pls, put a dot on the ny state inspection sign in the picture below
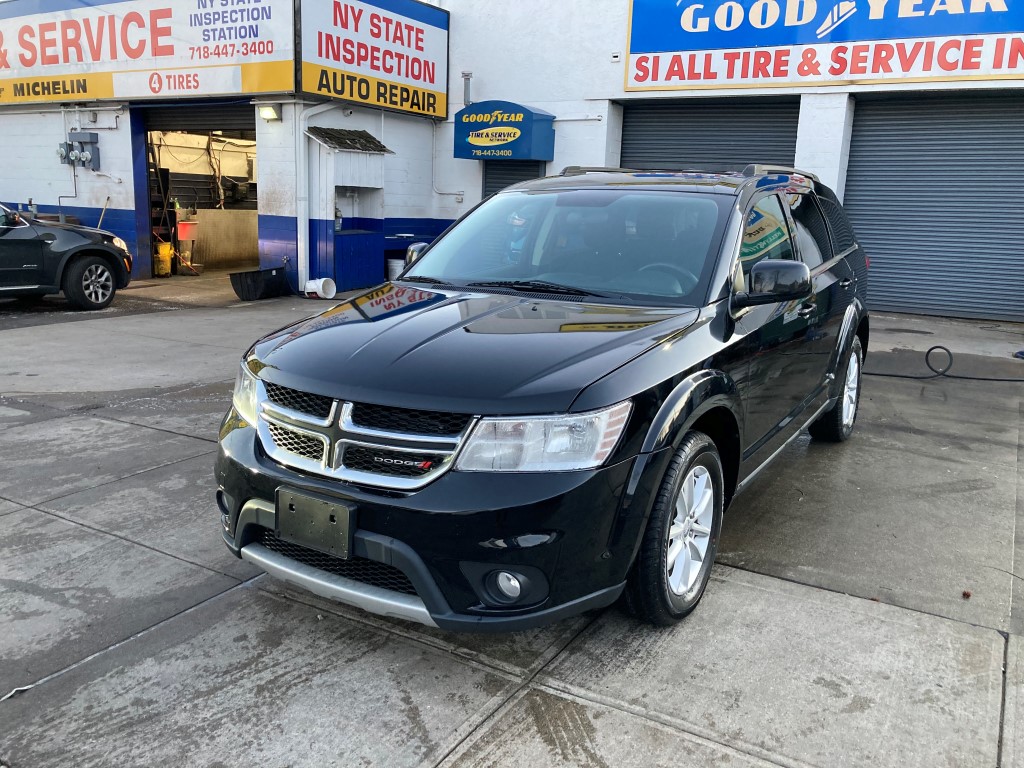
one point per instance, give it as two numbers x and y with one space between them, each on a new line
391 54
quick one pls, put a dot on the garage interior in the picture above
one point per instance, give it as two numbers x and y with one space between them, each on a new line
201 169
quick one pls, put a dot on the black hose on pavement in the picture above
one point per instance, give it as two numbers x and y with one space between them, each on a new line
940 371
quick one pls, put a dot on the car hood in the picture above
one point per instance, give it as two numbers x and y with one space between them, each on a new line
55 227
477 353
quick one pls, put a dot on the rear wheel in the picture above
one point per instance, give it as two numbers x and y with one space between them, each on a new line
679 545
89 283
836 424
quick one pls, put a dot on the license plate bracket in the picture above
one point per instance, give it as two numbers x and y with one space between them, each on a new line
325 525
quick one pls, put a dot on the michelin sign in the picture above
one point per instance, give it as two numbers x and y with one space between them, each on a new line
686 44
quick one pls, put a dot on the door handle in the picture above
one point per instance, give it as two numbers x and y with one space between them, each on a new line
845 283
806 310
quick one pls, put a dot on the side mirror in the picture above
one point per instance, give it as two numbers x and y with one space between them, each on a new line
414 251
773 281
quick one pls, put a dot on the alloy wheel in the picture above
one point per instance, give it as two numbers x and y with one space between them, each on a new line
850 390
97 283
690 532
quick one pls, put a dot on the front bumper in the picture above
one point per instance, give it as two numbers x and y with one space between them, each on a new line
572 534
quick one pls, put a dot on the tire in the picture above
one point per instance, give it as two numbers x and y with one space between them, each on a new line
89 283
663 592
836 424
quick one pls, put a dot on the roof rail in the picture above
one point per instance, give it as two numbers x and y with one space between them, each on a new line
759 169
579 170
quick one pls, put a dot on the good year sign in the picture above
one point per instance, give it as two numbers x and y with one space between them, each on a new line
676 44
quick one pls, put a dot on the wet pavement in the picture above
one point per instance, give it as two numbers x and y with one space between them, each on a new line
866 601
211 289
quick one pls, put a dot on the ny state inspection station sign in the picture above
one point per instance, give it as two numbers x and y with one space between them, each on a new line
391 54
79 50
686 44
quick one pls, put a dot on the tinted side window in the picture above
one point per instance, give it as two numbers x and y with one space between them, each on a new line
842 231
766 235
811 231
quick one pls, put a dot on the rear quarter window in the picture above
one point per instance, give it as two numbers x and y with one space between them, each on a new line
838 221
811 231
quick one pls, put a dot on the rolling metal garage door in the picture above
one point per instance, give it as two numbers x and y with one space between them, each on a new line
933 191
499 174
714 135
233 116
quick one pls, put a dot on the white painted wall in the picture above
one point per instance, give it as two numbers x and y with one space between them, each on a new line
31 168
275 172
823 137
410 173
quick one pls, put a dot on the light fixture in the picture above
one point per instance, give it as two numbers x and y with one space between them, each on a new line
270 112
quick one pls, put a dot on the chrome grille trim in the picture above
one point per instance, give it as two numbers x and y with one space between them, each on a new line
443 424
283 456
399 482
300 443
291 401
352 428
283 412
338 431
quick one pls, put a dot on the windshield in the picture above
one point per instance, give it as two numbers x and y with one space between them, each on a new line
611 243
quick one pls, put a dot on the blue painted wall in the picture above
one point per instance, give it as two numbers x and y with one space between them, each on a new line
277 238
142 267
352 261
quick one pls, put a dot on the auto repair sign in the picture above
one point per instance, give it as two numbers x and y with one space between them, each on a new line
74 50
686 44
391 54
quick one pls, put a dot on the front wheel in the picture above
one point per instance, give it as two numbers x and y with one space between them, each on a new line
678 547
836 424
89 283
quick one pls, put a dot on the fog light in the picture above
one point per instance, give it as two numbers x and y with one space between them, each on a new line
509 585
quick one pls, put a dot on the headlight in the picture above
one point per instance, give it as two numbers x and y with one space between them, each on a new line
544 443
119 243
244 397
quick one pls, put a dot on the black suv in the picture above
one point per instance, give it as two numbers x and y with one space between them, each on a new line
38 258
553 405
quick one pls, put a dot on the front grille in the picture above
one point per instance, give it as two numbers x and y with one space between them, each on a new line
303 402
375 445
297 443
381 461
432 423
356 568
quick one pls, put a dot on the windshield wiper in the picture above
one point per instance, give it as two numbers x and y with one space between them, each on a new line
537 286
425 279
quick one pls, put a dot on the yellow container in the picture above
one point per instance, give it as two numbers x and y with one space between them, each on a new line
162 262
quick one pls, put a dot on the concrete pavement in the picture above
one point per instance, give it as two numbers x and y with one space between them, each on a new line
835 631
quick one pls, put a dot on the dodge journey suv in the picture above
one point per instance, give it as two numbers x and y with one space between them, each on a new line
555 402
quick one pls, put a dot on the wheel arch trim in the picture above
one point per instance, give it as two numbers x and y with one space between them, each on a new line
93 249
855 314
691 399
